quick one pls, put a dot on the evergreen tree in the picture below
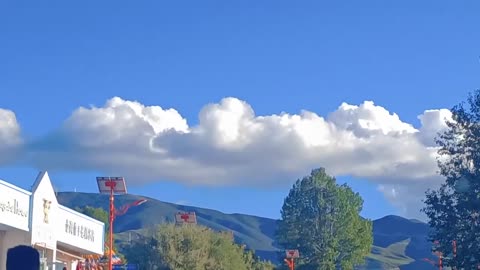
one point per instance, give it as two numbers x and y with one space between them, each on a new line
321 219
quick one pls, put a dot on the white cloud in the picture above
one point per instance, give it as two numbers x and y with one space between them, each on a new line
233 146
9 128
432 122
10 138
408 197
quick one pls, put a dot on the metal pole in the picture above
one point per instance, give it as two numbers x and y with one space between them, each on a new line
454 243
289 262
454 248
112 216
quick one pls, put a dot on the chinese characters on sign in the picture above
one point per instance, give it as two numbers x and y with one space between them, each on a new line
46 209
13 208
81 231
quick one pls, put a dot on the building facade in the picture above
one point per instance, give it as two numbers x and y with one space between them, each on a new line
35 218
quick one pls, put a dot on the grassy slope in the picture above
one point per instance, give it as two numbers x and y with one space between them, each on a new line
397 241
400 242
389 257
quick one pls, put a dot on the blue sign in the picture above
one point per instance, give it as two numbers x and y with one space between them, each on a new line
125 267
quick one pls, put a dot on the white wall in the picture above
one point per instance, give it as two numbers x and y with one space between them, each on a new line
39 219
44 212
14 206
79 230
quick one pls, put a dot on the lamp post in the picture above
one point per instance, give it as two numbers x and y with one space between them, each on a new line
291 255
112 186
290 263
440 255
454 246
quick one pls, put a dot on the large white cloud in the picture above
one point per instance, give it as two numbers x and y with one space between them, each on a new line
233 146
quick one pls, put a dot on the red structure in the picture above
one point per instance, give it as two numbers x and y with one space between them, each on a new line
290 263
100 260
432 262
291 255
454 244
125 208
111 186
440 255
182 218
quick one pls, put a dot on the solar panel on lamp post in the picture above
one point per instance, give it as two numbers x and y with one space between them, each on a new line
182 218
112 186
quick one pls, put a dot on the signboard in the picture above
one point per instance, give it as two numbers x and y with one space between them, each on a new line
81 231
292 253
186 218
107 184
14 206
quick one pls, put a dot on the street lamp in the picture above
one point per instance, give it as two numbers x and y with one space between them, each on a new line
124 208
291 255
112 186
440 254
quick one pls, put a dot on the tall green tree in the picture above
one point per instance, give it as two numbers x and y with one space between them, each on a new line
453 209
322 220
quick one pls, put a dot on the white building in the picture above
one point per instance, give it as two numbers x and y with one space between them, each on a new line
35 218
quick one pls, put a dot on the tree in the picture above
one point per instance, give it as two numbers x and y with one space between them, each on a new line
96 213
253 262
321 219
171 247
145 254
196 247
453 209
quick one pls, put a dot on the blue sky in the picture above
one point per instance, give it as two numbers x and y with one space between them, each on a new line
278 56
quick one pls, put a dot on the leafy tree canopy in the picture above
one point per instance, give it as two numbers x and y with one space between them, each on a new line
189 248
453 209
96 213
321 219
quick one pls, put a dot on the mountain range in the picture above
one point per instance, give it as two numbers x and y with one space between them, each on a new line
399 243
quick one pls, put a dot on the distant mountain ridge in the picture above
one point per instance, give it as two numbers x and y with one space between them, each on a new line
399 243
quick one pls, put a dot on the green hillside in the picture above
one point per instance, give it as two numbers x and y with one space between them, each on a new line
399 243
